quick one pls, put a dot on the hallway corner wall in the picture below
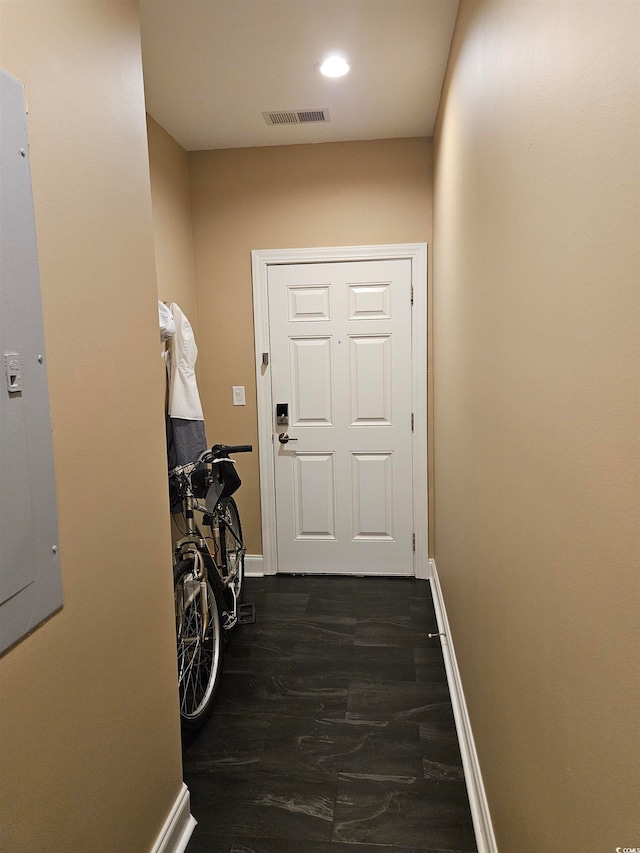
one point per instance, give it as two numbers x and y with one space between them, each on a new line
285 197
536 269
173 234
89 723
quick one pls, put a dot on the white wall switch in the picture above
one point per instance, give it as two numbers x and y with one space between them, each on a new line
238 395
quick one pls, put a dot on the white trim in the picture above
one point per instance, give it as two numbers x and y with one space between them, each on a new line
427 573
485 838
178 827
359 574
260 262
253 566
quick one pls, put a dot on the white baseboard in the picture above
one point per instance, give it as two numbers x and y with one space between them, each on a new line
422 570
254 568
483 827
178 827
254 565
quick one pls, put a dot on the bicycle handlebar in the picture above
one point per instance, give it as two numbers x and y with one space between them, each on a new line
221 450
218 451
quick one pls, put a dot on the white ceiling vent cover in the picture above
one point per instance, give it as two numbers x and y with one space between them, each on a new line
296 116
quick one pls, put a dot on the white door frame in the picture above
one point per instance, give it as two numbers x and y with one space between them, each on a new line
261 260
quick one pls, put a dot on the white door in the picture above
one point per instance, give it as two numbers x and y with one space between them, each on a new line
340 344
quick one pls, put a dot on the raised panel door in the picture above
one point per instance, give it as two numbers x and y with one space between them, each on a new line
340 341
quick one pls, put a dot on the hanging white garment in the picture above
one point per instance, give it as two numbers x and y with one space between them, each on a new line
167 324
184 400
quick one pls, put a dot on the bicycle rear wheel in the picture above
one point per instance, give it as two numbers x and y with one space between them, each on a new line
199 644
233 557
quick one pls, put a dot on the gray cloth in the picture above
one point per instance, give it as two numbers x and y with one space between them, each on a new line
185 442
187 439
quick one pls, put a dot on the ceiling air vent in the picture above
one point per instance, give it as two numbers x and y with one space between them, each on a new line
296 116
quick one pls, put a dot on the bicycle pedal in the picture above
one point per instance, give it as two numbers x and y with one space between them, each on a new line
246 614
230 622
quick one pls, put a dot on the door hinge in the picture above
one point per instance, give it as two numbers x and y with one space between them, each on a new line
414 543
411 421
412 294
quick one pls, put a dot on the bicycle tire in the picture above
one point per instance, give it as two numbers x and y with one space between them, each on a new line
234 547
199 659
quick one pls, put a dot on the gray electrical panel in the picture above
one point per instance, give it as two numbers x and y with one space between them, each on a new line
30 582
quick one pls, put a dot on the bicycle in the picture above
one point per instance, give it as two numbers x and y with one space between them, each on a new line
208 577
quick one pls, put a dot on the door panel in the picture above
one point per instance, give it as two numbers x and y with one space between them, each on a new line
370 301
314 495
340 340
370 380
311 382
372 496
309 303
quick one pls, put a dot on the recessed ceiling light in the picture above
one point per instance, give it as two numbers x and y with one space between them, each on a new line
333 66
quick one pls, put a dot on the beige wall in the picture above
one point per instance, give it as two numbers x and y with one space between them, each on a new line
336 194
536 274
171 202
89 728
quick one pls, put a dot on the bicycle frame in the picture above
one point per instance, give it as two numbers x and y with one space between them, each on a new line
208 575
212 564
205 566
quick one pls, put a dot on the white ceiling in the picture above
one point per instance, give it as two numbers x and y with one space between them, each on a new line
212 67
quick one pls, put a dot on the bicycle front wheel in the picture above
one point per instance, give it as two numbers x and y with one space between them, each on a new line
233 560
199 644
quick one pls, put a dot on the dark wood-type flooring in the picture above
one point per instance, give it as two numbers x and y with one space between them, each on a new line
333 731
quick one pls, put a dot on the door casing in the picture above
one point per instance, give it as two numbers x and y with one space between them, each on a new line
261 260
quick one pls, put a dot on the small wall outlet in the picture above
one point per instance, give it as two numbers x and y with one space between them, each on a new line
238 395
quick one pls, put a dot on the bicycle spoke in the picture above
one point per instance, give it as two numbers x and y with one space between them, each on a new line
196 656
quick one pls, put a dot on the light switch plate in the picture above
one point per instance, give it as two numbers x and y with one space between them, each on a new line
238 395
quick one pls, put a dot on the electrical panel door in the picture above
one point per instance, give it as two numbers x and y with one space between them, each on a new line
30 583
